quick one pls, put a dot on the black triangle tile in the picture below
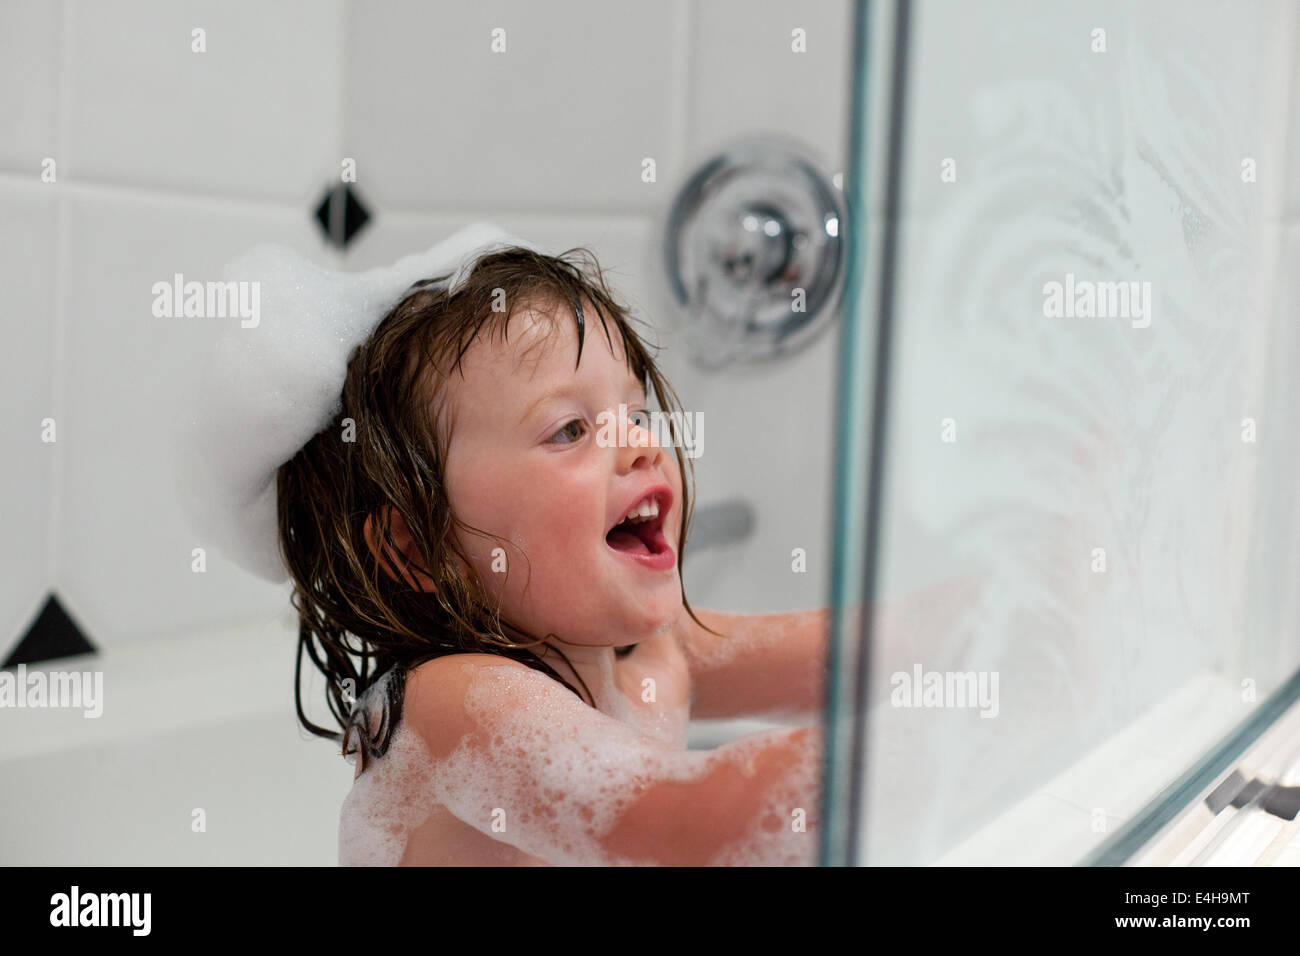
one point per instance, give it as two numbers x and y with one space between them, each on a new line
341 214
52 635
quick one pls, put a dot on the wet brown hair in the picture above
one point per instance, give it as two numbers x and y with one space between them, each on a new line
385 450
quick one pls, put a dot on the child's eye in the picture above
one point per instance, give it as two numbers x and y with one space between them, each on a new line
572 430
641 418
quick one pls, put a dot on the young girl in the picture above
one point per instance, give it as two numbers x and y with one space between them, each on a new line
508 578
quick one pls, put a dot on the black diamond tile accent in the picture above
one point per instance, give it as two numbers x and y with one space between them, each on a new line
52 635
341 214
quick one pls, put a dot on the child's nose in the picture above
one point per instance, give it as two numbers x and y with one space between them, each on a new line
647 457
642 447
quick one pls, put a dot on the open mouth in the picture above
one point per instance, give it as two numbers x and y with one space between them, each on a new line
641 531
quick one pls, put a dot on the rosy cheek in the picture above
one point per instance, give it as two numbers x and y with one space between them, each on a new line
567 530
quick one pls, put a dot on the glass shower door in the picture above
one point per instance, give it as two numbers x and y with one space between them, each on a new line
1068 445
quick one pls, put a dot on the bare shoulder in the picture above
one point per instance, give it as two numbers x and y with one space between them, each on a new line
435 674
444 679
435 698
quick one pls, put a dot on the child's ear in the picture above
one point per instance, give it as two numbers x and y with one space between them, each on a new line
394 562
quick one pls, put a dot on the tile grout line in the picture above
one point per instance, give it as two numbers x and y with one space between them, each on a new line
341 100
687 14
1291 150
59 364
105 190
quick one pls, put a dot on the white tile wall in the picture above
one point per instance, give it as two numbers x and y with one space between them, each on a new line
27 398
559 121
124 547
257 114
30 51
174 161
171 160
748 76
1293 152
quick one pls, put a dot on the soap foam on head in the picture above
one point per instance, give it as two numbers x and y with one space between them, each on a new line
267 390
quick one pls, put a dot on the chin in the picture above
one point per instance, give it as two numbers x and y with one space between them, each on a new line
659 618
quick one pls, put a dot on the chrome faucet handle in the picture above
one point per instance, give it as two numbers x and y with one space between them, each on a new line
754 253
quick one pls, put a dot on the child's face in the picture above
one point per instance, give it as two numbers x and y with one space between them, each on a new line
526 466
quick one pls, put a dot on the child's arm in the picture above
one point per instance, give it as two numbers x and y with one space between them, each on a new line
521 759
764 664
775 665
